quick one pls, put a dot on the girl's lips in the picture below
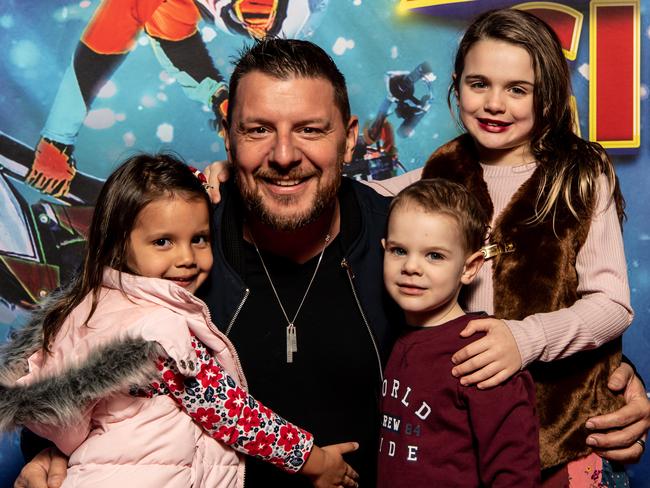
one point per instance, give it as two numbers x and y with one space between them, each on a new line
183 281
494 126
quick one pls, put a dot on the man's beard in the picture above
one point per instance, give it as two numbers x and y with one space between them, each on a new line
254 202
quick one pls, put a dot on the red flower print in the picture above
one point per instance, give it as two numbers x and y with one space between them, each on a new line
261 446
226 434
173 380
289 437
207 417
249 419
236 400
267 412
209 375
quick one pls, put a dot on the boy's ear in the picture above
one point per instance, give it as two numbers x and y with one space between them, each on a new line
472 266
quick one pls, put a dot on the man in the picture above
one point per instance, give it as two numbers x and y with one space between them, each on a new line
297 281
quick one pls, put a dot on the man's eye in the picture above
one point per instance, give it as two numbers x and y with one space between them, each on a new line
311 130
255 131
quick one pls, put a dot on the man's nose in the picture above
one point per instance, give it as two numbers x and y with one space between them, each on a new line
285 153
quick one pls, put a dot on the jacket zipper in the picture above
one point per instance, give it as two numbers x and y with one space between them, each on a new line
241 305
345 265
233 351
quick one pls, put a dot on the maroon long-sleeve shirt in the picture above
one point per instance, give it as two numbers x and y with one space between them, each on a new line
436 432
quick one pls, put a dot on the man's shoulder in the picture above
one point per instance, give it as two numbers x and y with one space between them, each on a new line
367 196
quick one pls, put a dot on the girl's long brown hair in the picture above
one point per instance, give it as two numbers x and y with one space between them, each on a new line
571 166
136 183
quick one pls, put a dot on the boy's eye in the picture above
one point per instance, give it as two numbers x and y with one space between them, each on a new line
435 256
397 251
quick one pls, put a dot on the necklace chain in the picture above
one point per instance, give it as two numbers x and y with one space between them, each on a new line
292 340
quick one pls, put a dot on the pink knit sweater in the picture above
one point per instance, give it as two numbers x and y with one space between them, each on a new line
601 314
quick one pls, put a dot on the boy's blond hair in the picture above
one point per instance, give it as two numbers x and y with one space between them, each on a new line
437 195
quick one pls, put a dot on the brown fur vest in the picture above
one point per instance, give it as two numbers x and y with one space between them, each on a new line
540 276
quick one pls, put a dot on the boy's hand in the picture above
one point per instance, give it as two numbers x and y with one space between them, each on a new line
216 173
490 360
326 467
620 430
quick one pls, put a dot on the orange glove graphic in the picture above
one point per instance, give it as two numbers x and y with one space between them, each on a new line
53 168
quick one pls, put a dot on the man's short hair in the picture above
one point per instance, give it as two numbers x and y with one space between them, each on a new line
437 195
285 58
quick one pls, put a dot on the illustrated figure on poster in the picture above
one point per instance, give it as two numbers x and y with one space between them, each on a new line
375 156
172 28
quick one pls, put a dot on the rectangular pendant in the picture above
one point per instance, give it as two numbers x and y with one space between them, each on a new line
292 343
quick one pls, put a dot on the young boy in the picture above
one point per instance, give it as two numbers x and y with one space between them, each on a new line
436 432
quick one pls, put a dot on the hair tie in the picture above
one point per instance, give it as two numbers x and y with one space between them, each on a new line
201 177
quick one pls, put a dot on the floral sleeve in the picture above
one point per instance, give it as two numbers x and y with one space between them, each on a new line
229 414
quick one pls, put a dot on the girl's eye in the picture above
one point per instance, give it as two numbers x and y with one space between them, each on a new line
478 84
517 90
201 240
435 256
162 242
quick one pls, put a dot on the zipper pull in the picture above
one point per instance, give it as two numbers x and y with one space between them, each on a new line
346 266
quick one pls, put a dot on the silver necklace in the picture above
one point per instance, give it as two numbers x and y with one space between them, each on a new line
292 340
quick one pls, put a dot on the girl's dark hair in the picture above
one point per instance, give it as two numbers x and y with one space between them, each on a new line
571 165
137 182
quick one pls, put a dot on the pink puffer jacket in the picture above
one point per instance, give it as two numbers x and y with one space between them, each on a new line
122 440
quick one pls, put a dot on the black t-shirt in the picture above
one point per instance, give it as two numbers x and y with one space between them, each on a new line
332 386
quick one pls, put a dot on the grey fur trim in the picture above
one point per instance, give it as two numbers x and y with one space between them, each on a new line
60 400
20 345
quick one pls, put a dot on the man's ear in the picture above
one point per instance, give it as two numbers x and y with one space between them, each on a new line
472 266
352 132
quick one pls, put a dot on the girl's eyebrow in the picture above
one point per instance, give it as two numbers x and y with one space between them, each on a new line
474 77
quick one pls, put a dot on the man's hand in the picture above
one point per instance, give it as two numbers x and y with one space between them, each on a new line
490 360
326 467
46 470
216 173
625 425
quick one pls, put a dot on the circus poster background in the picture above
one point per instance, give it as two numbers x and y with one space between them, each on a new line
396 56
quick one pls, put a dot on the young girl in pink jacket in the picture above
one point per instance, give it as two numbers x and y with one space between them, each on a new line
124 370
